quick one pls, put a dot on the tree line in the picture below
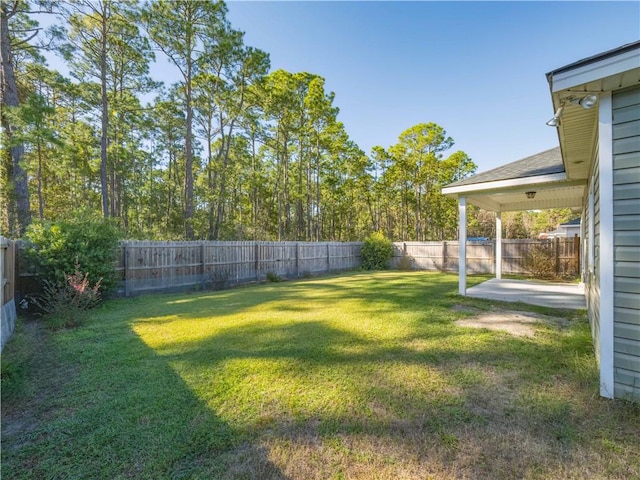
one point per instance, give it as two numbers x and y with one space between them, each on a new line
233 150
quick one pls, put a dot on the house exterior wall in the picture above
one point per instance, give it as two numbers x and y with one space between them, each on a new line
626 224
591 216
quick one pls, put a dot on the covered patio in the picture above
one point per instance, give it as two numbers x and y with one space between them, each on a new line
534 183
555 295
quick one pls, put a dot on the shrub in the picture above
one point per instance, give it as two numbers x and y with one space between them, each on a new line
273 277
64 305
376 252
406 262
54 249
540 262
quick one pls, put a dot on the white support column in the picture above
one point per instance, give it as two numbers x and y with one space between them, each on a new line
498 245
606 257
462 242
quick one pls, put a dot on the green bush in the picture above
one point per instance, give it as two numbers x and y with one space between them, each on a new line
54 249
376 252
273 277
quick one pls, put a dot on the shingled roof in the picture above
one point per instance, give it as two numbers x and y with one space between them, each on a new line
544 163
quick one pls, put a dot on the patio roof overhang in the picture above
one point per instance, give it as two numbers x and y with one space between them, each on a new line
505 188
551 191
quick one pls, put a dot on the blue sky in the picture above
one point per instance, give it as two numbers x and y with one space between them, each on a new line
475 68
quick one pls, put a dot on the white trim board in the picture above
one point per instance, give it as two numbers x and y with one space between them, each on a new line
606 251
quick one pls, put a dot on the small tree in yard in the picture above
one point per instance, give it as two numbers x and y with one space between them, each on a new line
376 252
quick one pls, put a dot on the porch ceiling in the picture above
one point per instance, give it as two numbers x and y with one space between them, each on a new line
553 194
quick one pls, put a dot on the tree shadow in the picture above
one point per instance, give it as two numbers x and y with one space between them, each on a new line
121 412
416 419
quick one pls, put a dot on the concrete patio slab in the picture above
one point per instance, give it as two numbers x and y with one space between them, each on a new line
555 295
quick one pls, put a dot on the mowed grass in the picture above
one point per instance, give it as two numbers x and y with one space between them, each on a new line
354 376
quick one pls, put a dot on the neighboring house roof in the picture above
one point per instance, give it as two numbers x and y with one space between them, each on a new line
570 223
544 163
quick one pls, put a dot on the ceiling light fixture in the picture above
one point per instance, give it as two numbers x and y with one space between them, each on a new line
530 194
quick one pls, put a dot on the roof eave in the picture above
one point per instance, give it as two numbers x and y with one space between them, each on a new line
504 184
608 71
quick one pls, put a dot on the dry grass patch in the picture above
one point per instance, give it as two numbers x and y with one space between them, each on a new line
517 323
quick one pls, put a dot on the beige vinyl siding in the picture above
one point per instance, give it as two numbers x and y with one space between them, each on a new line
626 221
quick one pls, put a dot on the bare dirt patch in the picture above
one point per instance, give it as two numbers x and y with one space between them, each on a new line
519 324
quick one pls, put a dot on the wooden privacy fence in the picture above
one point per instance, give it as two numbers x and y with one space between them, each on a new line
146 266
7 289
164 266
518 256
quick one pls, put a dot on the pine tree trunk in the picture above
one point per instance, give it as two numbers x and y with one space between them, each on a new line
104 189
19 212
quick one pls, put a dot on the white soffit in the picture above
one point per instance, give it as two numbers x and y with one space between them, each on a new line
569 195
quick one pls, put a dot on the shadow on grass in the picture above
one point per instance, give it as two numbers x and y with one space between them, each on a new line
459 411
120 412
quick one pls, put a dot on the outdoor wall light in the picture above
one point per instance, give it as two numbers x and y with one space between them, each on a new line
555 121
586 102
530 194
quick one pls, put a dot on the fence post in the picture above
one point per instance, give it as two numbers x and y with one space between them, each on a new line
576 253
125 255
557 247
328 259
203 264
257 260
297 259
444 255
493 266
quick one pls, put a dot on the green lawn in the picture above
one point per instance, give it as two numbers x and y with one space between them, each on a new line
353 376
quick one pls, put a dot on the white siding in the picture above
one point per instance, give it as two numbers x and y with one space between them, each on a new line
626 221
